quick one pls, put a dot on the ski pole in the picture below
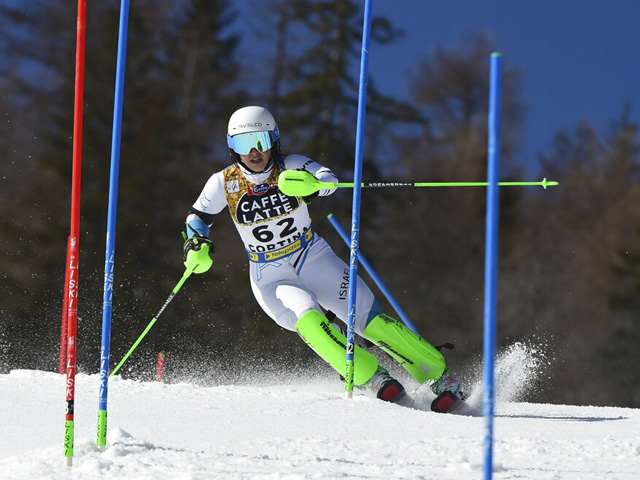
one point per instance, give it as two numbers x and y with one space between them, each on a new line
298 183
185 275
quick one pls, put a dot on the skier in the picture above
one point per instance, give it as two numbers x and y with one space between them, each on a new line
294 274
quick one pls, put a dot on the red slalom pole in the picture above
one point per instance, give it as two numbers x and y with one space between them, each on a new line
72 330
74 248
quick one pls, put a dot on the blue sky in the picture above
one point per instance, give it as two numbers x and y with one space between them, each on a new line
579 59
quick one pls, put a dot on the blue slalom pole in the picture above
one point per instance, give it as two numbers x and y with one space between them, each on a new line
355 211
378 281
491 259
111 226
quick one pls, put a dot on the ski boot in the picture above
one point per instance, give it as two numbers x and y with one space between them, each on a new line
449 394
387 388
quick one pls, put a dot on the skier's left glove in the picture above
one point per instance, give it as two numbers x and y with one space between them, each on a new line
197 252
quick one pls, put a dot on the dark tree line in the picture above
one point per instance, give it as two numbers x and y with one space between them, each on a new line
569 256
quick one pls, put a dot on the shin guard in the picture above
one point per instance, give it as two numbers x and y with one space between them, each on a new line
414 353
331 345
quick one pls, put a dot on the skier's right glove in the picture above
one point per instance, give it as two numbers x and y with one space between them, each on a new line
197 252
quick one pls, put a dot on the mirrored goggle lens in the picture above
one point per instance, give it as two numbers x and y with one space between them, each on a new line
244 142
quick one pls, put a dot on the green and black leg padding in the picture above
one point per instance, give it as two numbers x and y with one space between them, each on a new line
421 359
331 345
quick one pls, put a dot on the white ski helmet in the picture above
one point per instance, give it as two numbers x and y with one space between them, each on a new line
252 127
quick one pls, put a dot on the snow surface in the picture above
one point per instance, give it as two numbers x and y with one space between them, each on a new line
290 428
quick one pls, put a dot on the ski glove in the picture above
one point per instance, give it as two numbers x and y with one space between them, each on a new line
197 252
307 198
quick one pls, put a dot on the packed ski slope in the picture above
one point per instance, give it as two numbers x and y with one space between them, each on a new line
290 428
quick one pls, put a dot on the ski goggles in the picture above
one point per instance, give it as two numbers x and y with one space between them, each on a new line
244 142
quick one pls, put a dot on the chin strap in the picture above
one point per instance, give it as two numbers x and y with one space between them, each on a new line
246 169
